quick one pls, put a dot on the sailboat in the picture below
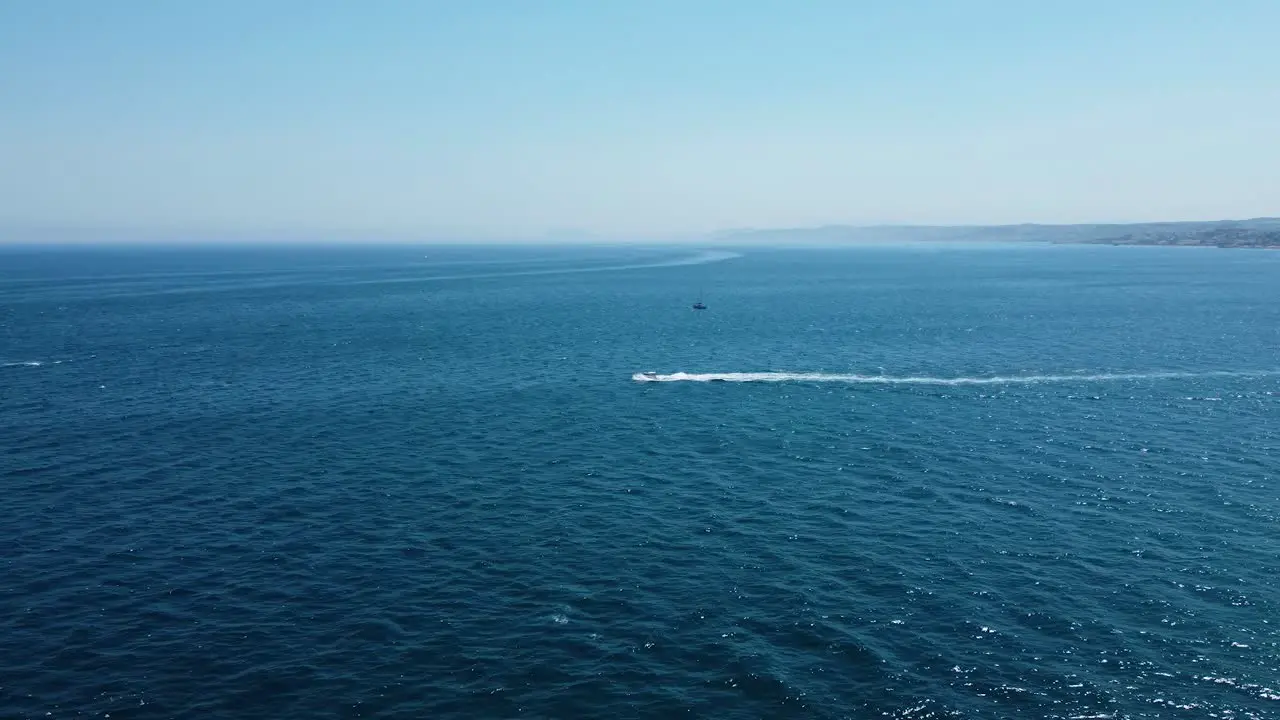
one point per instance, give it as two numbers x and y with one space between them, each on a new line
702 283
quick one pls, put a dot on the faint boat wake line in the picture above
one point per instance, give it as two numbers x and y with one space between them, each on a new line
765 377
701 258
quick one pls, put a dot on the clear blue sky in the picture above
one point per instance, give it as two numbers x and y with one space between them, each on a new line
515 117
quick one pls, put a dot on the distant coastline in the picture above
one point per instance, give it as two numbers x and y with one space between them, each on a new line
1221 237
1262 232
1252 233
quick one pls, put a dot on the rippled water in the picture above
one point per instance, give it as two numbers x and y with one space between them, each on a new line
969 482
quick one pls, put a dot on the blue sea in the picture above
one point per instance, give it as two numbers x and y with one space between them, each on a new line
428 482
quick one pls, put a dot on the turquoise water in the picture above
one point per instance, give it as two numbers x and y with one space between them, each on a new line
970 482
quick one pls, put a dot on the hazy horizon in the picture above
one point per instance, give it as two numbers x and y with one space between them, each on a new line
856 234
489 122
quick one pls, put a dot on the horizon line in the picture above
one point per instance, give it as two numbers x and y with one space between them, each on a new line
75 235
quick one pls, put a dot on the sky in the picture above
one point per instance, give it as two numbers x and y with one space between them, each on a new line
525 118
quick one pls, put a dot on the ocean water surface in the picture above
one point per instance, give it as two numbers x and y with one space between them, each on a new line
969 482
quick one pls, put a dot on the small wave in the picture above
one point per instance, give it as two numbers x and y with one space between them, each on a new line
764 377
28 363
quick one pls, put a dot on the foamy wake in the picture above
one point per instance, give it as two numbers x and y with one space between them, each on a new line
759 377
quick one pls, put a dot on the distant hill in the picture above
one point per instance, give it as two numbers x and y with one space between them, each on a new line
1029 232
1239 237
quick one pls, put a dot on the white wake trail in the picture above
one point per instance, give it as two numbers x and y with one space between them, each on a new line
759 377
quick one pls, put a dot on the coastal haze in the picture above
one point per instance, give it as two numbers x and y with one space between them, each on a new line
1255 232
568 359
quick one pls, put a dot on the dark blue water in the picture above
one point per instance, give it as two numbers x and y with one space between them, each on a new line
412 483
